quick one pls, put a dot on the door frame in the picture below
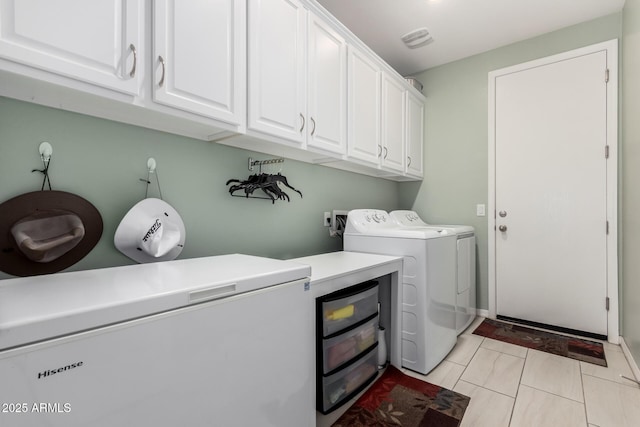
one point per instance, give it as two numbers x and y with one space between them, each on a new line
611 49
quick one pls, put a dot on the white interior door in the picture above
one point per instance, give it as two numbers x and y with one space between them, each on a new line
551 193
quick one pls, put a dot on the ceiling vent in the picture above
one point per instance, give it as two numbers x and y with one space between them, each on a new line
417 38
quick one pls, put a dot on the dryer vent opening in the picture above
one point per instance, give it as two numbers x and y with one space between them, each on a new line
338 223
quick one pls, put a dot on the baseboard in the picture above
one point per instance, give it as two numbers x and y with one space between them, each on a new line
482 313
630 359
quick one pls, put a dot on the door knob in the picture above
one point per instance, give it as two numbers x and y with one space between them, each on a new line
502 214
502 228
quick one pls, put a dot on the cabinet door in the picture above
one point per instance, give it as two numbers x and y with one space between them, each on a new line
415 135
277 86
198 60
327 101
97 42
393 124
363 108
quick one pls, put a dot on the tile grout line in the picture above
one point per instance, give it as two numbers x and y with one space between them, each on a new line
494 391
555 394
515 399
467 365
631 386
584 395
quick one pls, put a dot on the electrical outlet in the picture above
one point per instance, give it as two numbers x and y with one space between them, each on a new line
327 219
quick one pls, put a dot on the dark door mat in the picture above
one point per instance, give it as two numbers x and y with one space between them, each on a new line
396 399
574 348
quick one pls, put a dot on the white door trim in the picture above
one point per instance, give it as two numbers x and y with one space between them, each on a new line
611 48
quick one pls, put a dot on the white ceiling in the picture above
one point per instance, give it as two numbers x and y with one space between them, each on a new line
459 28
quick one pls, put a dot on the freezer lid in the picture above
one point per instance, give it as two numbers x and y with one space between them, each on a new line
42 307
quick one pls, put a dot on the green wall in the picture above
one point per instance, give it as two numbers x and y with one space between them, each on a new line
630 155
103 161
456 161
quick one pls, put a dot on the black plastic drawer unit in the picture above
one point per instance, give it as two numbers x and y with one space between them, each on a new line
346 344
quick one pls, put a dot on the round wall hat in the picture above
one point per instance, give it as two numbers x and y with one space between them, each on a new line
151 231
46 231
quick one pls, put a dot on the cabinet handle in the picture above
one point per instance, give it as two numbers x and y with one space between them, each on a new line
385 152
132 73
314 126
302 127
408 161
379 150
161 82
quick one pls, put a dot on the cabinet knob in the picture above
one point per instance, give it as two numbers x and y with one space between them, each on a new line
161 82
408 161
379 150
302 127
132 73
313 122
502 228
385 152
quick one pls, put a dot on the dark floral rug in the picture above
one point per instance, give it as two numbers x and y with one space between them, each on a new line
396 399
574 348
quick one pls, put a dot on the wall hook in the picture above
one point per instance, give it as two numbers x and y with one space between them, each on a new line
151 169
46 150
253 163
151 165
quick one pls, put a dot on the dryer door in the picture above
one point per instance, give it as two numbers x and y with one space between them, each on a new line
466 263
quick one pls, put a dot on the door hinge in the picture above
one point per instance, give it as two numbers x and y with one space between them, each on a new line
606 75
607 303
606 151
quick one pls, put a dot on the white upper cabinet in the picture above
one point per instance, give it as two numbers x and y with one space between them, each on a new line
297 76
327 88
282 77
199 50
393 124
277 84
364 108
97 42
415 135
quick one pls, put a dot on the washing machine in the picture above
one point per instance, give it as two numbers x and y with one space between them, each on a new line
428 283
466 306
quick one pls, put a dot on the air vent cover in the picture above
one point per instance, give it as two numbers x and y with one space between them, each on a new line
417 38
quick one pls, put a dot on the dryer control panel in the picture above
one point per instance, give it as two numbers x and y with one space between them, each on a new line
407 218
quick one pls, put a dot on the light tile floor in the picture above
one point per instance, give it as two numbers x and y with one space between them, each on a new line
512 386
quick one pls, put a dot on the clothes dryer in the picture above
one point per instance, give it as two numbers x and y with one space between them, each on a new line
428 282
466 306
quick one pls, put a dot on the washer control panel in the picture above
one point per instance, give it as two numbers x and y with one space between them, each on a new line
377 217
363 219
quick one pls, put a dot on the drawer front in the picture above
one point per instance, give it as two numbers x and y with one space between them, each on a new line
341 313
341 349
344 384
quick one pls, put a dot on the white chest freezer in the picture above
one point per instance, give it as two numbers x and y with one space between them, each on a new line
218 341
